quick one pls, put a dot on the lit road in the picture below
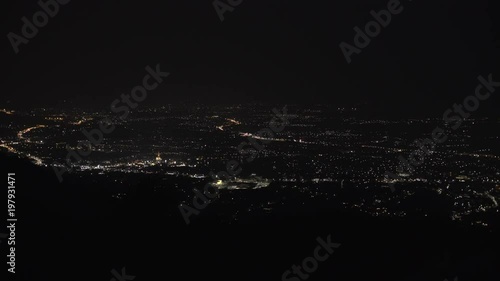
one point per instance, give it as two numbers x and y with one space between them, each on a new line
21 133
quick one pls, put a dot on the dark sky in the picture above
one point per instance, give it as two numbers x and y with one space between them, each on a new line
280 51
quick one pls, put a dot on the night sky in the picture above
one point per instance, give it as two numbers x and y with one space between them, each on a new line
279 51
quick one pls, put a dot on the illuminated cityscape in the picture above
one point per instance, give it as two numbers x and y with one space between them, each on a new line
318 162
251 140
